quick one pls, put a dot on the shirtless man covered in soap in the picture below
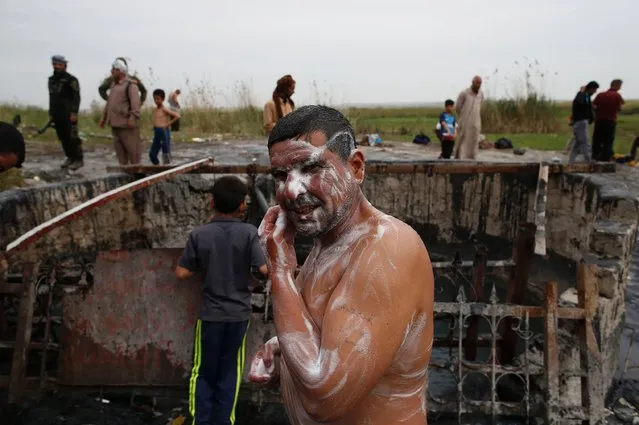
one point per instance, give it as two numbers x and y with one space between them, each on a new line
355 327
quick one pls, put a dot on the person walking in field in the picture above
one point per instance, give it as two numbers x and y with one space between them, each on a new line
582 116
163 118
122 113
64 104
280 104
606 105
468 108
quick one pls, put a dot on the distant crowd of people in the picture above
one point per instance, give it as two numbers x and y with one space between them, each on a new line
603 112
462 136
458 127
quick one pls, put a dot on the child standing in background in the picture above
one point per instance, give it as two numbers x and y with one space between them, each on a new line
447 129
162 120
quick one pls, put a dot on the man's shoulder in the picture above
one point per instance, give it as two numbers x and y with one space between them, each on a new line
393 233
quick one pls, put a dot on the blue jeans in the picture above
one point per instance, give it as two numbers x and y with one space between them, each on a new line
580 145
161 141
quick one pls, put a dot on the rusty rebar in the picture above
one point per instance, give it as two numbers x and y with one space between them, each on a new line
522 255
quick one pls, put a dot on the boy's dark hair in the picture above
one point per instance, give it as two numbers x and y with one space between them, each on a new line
449 102
592 85
159 92
307 119
228 194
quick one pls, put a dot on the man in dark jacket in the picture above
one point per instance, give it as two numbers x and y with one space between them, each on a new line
582 116
64 104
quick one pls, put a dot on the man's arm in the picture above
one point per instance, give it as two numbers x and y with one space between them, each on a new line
363 326
442 120
142 89
187 265
257 259
74 86
49 83
134 98
104 87
174 115
269 117
459 105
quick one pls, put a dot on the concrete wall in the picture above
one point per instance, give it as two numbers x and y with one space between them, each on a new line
159 216
589 217
456 208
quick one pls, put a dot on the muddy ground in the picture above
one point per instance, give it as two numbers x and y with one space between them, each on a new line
43 159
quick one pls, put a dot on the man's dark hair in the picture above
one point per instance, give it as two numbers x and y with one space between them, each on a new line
593 85
308 119
616 82
228 194
159 92
449 102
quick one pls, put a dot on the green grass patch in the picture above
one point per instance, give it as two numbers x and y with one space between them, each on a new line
532 122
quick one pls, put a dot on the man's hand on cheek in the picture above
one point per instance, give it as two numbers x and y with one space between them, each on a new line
277 236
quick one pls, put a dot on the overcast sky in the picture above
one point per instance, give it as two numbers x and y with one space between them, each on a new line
355 51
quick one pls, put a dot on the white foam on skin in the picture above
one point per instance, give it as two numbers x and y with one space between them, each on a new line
318 364
260 371
298 182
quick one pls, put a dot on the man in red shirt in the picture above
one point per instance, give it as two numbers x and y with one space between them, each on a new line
607 104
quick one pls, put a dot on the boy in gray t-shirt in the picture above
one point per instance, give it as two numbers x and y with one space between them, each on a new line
224 252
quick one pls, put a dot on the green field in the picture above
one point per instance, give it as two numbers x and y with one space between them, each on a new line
534 123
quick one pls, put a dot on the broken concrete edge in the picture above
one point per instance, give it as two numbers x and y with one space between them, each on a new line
609 245
94 202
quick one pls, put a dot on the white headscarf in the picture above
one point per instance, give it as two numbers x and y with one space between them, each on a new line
120 65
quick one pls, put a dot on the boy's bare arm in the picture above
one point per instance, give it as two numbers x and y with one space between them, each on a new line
174 115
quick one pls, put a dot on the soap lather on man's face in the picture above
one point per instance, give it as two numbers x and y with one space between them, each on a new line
314 186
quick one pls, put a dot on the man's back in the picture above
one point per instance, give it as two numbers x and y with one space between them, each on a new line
581 107
608 104
223 251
